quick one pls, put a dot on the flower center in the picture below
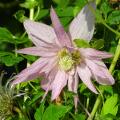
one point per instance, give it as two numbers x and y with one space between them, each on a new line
67 60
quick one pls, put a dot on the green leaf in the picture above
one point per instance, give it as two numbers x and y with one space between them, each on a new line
62 3
105 8
20 16
80 117
98 44
110 106
39 112
81 43
9 59
36 97
29 4
67 12
54 112
114 17
106 88
5 35
43 13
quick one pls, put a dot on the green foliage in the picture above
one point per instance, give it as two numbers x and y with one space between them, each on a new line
20 16
53 112
114 17
9 59
97 44
13 37
110 106
81 43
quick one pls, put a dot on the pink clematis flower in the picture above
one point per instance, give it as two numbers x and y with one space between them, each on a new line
61 62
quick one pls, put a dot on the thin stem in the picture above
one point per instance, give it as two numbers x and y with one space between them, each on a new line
111 29
116 57
97 103
31 13
32 86
16 109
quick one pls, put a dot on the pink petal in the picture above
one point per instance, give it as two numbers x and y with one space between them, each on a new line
100 72
37 51
71 80
45 83
109 80
50 65
94 54
82 27
85 75
58 84
42 31
31 72
76 82
62 36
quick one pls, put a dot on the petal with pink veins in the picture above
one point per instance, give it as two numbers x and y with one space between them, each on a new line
49 78
82 27
85 75
58 84
42 31
37 52
94 54
109 80
100 72
31 72
62 36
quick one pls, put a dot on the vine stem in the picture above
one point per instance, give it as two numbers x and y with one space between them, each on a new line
31 13
116 57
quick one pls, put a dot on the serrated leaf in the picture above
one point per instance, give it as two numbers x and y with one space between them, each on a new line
98 44
110 106
39 112
81 43
5 35
80 117
9 59
105 8
114 17
54 112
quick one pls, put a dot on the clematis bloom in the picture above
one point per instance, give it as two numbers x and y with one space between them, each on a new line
61 62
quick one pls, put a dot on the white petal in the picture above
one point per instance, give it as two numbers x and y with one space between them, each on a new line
42 31
82 27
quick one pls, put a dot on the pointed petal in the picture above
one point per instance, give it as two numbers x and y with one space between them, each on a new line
86 78
94 54
62 36
70 82
82 27
100 72
37 52
76 82
49 79
31 72
50 65
58 84
42 31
